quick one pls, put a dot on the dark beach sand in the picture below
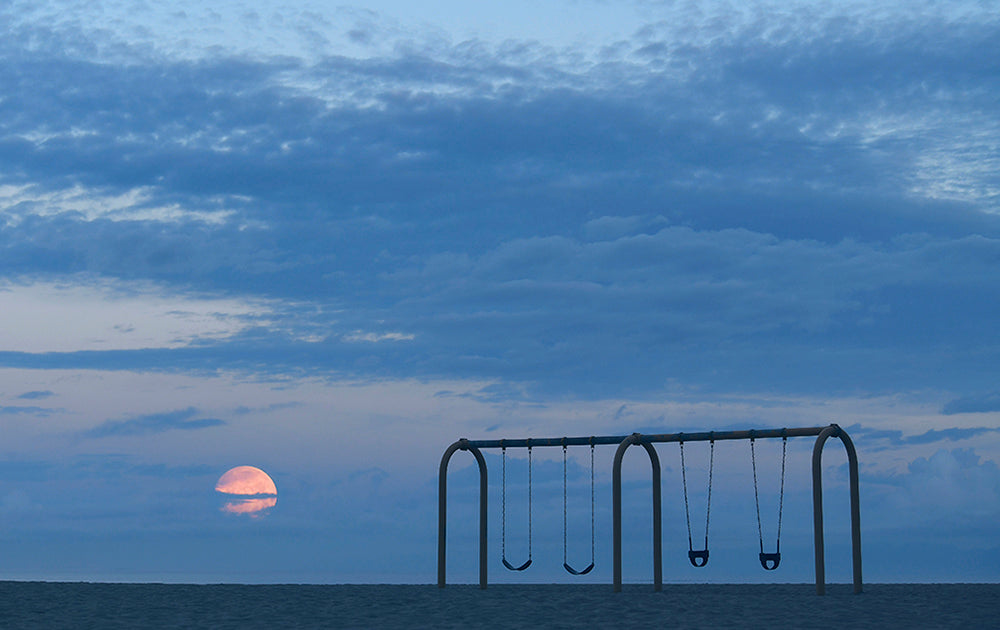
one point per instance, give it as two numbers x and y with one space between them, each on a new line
881 606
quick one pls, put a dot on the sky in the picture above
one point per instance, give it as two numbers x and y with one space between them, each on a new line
327 241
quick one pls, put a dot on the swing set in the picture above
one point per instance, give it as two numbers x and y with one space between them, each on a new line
503 515
697 557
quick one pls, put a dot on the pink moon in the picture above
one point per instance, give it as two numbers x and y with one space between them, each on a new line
252 490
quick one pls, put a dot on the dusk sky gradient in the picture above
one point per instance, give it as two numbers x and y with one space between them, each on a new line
328 241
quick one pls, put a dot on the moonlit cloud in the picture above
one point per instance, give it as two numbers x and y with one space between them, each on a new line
251 507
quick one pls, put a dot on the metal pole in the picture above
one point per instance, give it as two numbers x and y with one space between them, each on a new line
443 509
616 512
852 462
616 507
462 444
817 471
654 459
704 436
483 497
817 474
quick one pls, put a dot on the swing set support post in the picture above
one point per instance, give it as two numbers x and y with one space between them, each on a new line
462 444
817 478
616 503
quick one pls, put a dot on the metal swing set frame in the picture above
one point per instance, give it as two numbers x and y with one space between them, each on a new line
646 441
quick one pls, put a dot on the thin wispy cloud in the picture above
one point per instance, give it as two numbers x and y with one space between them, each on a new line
181 420
953 434
36 395
24 410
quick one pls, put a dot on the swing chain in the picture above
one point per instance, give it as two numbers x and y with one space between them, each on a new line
687 512
711 467
564 502
756 499
781 495
708 509
503 508
593 544
593 548
503 500
529 500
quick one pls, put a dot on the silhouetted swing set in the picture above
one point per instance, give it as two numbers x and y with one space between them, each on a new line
697 557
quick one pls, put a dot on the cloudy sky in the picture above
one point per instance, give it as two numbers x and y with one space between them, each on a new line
327 241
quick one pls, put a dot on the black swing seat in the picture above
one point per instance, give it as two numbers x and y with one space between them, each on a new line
513 568
573 571
698 558
770 561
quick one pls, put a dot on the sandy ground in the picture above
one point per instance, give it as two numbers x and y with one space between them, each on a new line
881 606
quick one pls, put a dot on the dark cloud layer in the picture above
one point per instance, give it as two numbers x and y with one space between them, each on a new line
813 211
983 403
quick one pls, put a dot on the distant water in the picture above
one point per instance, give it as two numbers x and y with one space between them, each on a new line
285 607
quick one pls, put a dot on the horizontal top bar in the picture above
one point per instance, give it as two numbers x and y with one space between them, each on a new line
639 438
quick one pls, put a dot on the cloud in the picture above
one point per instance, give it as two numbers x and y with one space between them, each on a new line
931 436
956 487
563 312
88 205
370 337
152 424
693 204
983 403
951 435
25 410
36 395
109 315
112 467
247 132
